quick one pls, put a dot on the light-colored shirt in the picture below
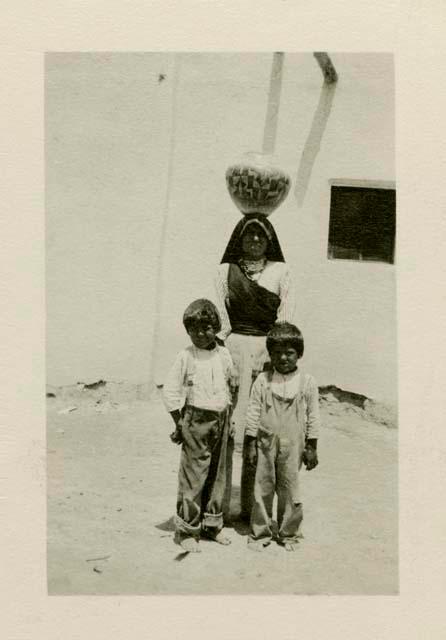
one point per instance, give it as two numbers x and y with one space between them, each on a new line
276 277
200 377
284 386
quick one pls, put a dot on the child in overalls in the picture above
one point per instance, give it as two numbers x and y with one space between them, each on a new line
197 394
282 431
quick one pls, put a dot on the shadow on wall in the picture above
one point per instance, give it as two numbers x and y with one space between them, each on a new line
313 141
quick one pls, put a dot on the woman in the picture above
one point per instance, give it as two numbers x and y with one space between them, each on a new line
254 290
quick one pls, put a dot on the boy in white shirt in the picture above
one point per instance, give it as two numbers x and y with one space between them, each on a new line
282 430
197 394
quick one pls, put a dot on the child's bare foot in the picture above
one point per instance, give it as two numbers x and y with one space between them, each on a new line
290 546
257 545
190 545
221 539
215 537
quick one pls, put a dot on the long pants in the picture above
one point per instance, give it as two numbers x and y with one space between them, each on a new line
228 487
247 484
278 462
202 474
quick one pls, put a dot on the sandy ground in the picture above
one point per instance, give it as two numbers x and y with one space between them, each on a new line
112 474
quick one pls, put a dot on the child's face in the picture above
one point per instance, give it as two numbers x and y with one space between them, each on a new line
202 335
284 358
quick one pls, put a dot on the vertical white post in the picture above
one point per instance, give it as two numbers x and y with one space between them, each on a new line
272 112
160 283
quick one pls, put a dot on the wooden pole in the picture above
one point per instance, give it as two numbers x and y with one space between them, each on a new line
160 284
272 112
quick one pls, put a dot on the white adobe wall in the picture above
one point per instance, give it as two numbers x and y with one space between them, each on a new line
107 129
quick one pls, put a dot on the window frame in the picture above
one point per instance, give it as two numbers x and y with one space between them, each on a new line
365 184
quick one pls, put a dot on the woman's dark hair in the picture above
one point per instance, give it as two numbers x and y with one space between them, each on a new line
200 311
285 333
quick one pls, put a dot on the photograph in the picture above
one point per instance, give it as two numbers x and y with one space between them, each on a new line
221 323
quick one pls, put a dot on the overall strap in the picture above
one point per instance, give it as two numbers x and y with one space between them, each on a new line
303 379
301 392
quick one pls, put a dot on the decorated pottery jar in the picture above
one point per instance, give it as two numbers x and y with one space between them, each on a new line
256 184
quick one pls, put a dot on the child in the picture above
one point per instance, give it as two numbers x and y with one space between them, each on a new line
282 431
197 395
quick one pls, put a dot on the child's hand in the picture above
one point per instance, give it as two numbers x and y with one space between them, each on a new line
234 396
255 374
251 451
309 458
176 436
234 380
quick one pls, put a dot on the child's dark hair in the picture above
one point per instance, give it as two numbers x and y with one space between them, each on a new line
285 333
200 311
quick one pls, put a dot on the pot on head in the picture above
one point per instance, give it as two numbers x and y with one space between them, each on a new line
256 184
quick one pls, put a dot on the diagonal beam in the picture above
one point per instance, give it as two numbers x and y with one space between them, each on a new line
320 118
313 142
327 67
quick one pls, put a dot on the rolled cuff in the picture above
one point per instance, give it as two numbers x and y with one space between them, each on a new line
212 520
183 527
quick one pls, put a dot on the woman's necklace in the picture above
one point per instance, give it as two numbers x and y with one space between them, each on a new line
252 267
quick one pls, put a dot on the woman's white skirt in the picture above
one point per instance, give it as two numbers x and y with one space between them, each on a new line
249 355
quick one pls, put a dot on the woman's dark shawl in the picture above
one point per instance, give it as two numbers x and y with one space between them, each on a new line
252 309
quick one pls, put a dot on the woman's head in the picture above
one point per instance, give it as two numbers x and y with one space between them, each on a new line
202 322
285 345
253 238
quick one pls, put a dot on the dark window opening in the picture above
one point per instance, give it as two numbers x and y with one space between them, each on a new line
362 224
